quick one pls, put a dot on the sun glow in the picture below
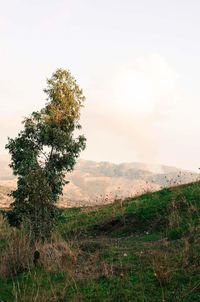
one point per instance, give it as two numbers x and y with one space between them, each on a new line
135 92
139 89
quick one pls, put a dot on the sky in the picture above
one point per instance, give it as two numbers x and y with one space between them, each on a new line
138 62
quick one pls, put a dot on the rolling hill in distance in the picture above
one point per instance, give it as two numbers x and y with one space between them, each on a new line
94 183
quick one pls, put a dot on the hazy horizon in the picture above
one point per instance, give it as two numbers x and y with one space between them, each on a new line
138 63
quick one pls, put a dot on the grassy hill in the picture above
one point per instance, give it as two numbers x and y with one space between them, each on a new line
142 249
93 183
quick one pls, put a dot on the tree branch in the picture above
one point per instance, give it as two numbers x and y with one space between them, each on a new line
51 153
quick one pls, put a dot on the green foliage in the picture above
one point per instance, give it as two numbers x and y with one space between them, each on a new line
44 150
174 234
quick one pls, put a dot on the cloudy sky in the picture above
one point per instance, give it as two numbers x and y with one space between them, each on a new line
138 62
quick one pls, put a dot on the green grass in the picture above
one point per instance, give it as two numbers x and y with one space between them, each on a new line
142 249
149 212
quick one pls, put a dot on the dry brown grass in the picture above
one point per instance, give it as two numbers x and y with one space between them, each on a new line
56 254
17 252
163 269
17 256
5 230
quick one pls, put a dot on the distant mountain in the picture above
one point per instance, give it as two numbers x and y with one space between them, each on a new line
101 182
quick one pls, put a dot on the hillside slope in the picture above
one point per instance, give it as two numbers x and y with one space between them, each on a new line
143 249
101 182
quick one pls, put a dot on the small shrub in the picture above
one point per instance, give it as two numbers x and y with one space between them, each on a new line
174 219
174 234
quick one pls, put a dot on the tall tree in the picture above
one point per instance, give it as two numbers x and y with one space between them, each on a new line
45 150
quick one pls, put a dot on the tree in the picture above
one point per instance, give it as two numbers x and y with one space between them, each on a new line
44 151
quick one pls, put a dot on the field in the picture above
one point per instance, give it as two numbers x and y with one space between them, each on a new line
140 249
